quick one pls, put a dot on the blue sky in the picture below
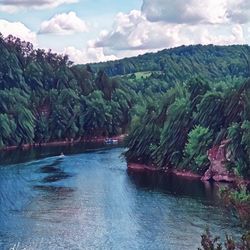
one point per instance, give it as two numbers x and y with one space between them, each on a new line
99 13
100 30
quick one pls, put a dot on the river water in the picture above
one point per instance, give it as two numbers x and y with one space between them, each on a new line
87 200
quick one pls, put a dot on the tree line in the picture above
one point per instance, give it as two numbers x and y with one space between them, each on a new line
179 64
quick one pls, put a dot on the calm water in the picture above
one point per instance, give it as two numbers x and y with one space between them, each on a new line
87 200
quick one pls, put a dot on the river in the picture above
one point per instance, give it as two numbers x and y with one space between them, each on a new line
87 200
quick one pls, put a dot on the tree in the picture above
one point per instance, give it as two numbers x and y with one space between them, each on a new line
210 111
238 148
174 133
195 152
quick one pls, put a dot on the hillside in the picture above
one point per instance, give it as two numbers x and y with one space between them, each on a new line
211 62
44 98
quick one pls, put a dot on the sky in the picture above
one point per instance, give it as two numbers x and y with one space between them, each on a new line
101 30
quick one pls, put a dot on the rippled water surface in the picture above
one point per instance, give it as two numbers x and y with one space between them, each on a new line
87 200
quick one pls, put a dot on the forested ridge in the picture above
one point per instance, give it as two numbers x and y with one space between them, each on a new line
174 109
178 64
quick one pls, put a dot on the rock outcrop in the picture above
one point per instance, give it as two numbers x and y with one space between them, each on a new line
217 171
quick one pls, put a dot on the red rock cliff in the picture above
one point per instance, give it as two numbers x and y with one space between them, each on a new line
217 170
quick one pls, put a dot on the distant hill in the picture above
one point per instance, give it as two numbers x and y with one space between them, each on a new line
210 61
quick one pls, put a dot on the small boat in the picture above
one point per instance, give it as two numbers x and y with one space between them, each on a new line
111 141
61 155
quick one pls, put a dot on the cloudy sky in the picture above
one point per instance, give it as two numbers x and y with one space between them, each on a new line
100 30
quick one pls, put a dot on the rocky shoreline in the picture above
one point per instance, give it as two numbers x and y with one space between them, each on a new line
143 168
218 156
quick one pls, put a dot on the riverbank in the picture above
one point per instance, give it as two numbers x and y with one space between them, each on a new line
67 142
137 167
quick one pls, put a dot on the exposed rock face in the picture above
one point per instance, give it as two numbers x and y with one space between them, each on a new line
217 171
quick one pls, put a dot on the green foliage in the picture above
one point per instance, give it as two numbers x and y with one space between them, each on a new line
195 152
240 196
238 147
43 97
239 199
189 119
182 63
246 137
143 139
174 132
210 111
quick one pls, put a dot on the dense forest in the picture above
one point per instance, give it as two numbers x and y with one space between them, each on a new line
205 100
44 97
191 118
176 103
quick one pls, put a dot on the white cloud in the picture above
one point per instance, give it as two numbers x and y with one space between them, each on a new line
206 34
197 11
15 5
87 55
188 11
239 11
134 32
17 29
8 9
65 24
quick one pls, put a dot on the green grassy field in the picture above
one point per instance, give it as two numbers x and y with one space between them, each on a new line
142 74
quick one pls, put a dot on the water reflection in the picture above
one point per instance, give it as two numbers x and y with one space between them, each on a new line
178 186
52 204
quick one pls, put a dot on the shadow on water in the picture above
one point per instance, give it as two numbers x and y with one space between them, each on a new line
175 185
56 177
51 168
54 171
52 194
54 189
